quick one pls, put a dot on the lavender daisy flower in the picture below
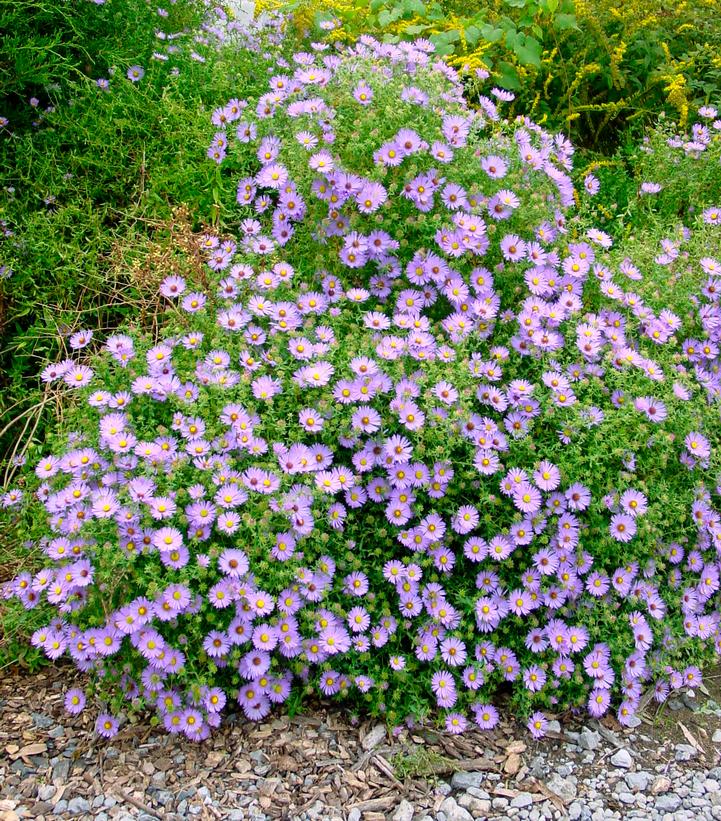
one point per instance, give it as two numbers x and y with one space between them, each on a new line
537 724
486 716
135 73
456 723
363 93
622 527
106 725
75 701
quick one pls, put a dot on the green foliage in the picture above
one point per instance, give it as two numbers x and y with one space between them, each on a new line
46 45
587 68
88 188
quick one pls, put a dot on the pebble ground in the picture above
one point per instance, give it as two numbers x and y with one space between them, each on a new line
322 766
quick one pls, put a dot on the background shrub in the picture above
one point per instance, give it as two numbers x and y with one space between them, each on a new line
589 69
92 185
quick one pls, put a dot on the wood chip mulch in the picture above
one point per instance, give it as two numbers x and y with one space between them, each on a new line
317 765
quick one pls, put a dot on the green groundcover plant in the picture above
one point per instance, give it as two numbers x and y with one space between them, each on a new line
92 170
415 435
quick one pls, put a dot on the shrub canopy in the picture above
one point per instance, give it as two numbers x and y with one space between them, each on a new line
414 435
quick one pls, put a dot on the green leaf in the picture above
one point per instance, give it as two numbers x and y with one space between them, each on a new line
472 33
416 29
529 53
490 33
516 4
411 7
552 5
386 17
565 21
443 48
508 76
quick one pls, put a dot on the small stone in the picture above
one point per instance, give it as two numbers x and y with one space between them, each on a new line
537 767
164 797
637 781
668 803
563 787
61 771
404 812
575 811
453 811
675 704
46 792
633 721
513 764
42 722
500 803
716 737
660 785
685 752
622 758
689 699
476 806
714 798
354 814
554 726
464 780
374 737
78 805
523 799
60 807
589 739
626 798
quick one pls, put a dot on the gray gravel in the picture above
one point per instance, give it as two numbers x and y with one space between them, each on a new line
321 768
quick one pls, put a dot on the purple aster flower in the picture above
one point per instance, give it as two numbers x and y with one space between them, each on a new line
106 725
654 409
444 688
456 723
356 584
363 93
486 716
622 527
599 700
370 198
135 73
537 725
74 701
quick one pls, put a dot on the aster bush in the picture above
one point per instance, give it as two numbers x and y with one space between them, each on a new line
415 436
